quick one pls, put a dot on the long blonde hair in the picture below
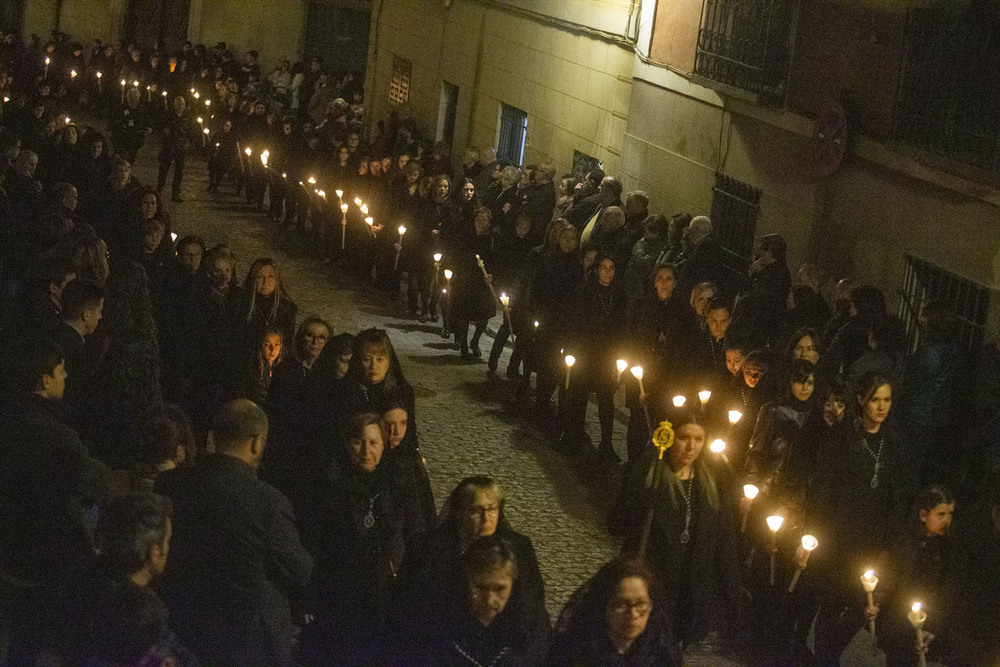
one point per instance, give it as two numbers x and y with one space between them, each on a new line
250 285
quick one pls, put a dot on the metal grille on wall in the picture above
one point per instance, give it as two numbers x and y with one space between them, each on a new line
924 283
513 132
399 87
949 92
744 48
735 208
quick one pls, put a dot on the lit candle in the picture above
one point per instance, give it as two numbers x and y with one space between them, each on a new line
149 94
371 225
918 617
364 209
399 247
447 276
321 193
703 396
47 61
164 94
809 543
197 95
357 202
735 416
263 156
343 224
679 401
340 194
504 300
570 360
208 103
536 325
204 137
622 366
718 447
99 75
637 373
72 74
123 91
437 257
247 151
312 180
68 121
750 492
774 525
135 84
869 581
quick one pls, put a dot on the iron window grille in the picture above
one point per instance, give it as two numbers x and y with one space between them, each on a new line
513 134
949 92
735 209
924 283
399 87
744 48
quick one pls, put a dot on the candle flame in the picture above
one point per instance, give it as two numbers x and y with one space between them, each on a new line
370 221
123 82
248 151
343 208
536 324
735 416
401 229
917 606
718 446
72 74
312 180
869 574
637 372
364 209
448 274
357 201
570 360
437 257
164 93
809 542
200 119
774 522
135 83
340 193
704 395
99 75
750 491
679 401
622 365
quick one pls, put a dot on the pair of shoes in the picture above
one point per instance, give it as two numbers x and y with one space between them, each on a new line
476 352
445 333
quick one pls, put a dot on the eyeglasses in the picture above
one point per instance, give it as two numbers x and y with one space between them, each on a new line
626 608
493 510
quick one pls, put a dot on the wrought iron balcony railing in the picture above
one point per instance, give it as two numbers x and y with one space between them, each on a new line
744 48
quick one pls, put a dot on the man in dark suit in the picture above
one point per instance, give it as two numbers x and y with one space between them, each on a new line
236 558
48 486
82 304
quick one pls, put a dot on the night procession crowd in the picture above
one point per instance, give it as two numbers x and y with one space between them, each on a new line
175 437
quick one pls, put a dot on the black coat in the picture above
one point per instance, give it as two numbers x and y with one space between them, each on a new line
235 560
48 481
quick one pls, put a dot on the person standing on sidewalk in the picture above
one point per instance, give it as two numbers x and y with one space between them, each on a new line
177 133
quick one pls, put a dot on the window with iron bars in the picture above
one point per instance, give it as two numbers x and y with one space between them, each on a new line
735 209
744 48
924 283
399 86
512 133
949 92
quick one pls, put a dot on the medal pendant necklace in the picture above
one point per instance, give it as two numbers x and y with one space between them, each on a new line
606 305
369 519
686 488
877 458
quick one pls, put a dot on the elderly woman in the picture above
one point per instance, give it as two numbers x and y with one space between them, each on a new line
692 535
431 583
618 617
357 526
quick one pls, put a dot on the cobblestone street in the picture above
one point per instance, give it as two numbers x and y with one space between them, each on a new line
467 424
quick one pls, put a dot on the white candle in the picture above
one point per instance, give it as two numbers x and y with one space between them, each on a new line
774 525
809 543
570 360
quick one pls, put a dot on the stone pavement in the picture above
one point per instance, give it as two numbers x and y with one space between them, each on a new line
467 424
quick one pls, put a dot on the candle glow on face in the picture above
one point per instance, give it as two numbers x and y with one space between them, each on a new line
750 491
774 522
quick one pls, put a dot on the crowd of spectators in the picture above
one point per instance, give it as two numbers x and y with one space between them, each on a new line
192 473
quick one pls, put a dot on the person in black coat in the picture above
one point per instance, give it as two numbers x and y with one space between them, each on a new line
178 134
83 303
594 335
761 312
357 524
692 539
403 454
129 126
265 304
488 624
236 560
48 485
618 617
471 252
431 583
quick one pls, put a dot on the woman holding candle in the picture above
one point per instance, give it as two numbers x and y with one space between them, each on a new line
470 251
595 335
858 501
618 617
692 543
265 304
927 564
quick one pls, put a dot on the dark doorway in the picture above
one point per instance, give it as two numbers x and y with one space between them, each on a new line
338 35
159 23
446 113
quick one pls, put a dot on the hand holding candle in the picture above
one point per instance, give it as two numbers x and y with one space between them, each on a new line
869 581
809 543
774 525
917 618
